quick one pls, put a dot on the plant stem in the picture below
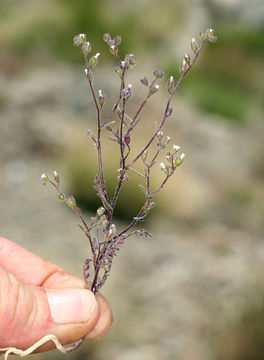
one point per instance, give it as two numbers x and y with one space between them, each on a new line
98 143
167 105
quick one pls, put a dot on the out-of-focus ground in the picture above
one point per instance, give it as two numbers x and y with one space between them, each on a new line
196 289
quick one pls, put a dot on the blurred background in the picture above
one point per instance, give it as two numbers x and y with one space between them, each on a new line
196 289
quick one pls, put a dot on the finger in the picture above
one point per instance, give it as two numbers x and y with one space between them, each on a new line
32 269
28 313
105 319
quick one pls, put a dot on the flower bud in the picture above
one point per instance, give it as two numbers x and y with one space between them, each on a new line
166 141
117 40
70 201
127 139
167 169
194 45
61 197
44 178
187 59
169 158
170 84
153 89
89 75
160 135
107 37
175 149
169 112
183 66
132 64
212 39
100 211
104 223
101 99
118 71
112 230
86 47
144 81
127 93
130 61
158 74
129 57
93 60
202 36
144 155
56 177
179 160
209 32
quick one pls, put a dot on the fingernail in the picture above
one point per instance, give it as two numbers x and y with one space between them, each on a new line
71 305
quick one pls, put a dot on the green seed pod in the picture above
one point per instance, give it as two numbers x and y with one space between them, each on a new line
160 135
154 89
170 84
101 98
93 60
61 197
183 66
194 45
187 59
70 201
56 177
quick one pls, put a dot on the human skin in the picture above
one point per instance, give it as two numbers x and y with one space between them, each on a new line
38 298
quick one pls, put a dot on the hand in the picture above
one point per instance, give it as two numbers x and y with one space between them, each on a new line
38 298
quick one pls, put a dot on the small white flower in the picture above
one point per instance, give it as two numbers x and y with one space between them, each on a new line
44 177
175 148
182 156
162 166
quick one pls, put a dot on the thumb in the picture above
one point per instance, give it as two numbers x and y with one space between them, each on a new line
27 313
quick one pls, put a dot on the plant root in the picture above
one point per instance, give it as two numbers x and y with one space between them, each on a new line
44 340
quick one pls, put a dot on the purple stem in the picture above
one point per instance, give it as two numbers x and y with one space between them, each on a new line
167 106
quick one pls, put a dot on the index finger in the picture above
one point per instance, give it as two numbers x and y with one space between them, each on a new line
31 269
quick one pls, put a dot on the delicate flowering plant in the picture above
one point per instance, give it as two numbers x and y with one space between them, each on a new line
103 236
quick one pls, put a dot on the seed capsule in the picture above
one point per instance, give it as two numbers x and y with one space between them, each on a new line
100 211
194 45
93 60
70 201
61 197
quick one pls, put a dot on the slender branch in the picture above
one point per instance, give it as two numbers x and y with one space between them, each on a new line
168 105
98 145
134 120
